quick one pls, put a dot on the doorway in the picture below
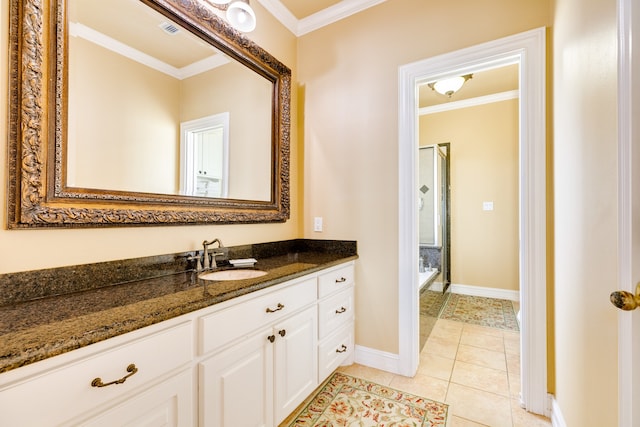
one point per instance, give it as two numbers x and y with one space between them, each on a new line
434 229
528 50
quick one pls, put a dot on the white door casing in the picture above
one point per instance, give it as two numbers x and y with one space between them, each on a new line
628 209
527 49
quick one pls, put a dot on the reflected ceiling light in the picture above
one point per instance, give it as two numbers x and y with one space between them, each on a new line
449 86
239 14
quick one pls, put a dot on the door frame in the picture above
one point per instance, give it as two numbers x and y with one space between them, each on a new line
628 210
529 50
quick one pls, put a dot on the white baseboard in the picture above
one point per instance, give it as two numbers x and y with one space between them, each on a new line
373 358
557 420
480 291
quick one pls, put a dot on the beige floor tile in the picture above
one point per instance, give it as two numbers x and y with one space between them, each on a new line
515 387
484 330
481 378
461 422
441 347
522 418
435 366
489 342
447 329
421 385
479 406
513 363
367 373
512 343
483 357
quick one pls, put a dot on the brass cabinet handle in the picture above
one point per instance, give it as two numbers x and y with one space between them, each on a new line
342 310
342 349
271 338
340 280
273 310
97 382
626 300
282 332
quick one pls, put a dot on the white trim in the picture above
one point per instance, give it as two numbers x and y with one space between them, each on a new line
282 14
528 49
480 291
188 155
471 102
557 420
333 14
376 359
627 366
319 19
79 30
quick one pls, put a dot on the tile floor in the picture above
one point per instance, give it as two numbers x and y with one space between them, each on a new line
475 369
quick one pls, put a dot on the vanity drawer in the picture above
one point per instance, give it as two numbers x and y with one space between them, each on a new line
222 327
335 280
44 399
334 312
334 350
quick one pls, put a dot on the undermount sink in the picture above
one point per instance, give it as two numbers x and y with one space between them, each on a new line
241 274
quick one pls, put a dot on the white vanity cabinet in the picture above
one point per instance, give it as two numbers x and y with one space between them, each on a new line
248 361
271 365
157 391
336 319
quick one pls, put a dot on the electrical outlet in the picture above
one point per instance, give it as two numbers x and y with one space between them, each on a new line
317 223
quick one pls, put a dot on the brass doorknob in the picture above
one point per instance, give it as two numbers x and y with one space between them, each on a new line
626 300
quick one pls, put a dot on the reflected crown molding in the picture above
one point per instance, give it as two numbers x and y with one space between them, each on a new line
77 29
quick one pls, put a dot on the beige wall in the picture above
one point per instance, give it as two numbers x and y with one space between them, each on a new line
108 148
585 174
484 167
348 76
33 249
246 96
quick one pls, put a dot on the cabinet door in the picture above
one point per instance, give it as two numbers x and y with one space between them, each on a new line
168 404
296 361
237 385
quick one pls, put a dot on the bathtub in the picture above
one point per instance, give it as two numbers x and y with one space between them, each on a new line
427 277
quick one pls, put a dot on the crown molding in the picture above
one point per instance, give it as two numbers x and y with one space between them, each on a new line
471 102
319 19
100 39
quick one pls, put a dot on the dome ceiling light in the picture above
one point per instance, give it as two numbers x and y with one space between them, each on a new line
239 14
450 85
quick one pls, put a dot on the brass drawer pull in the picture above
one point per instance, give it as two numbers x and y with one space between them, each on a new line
97 382
282 332
340 280
273 310
342 349
342 310
271 338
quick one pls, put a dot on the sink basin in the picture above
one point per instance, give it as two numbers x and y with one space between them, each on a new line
232 274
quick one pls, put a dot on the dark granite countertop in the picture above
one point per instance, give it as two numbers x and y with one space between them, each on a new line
35 324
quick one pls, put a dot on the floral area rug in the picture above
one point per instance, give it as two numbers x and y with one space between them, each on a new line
495 313
350 401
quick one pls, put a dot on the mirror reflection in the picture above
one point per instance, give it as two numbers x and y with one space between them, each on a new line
154 109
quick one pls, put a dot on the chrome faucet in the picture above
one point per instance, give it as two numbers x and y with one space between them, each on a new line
206 263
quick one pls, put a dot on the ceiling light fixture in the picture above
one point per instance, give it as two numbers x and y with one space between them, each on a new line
239 13
449 86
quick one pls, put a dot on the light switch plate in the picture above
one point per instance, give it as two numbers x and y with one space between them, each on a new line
487 206
317 223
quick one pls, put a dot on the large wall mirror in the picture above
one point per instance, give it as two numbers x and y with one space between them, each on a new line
131 112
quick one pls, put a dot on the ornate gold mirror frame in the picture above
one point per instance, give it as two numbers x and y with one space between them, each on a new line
37 196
